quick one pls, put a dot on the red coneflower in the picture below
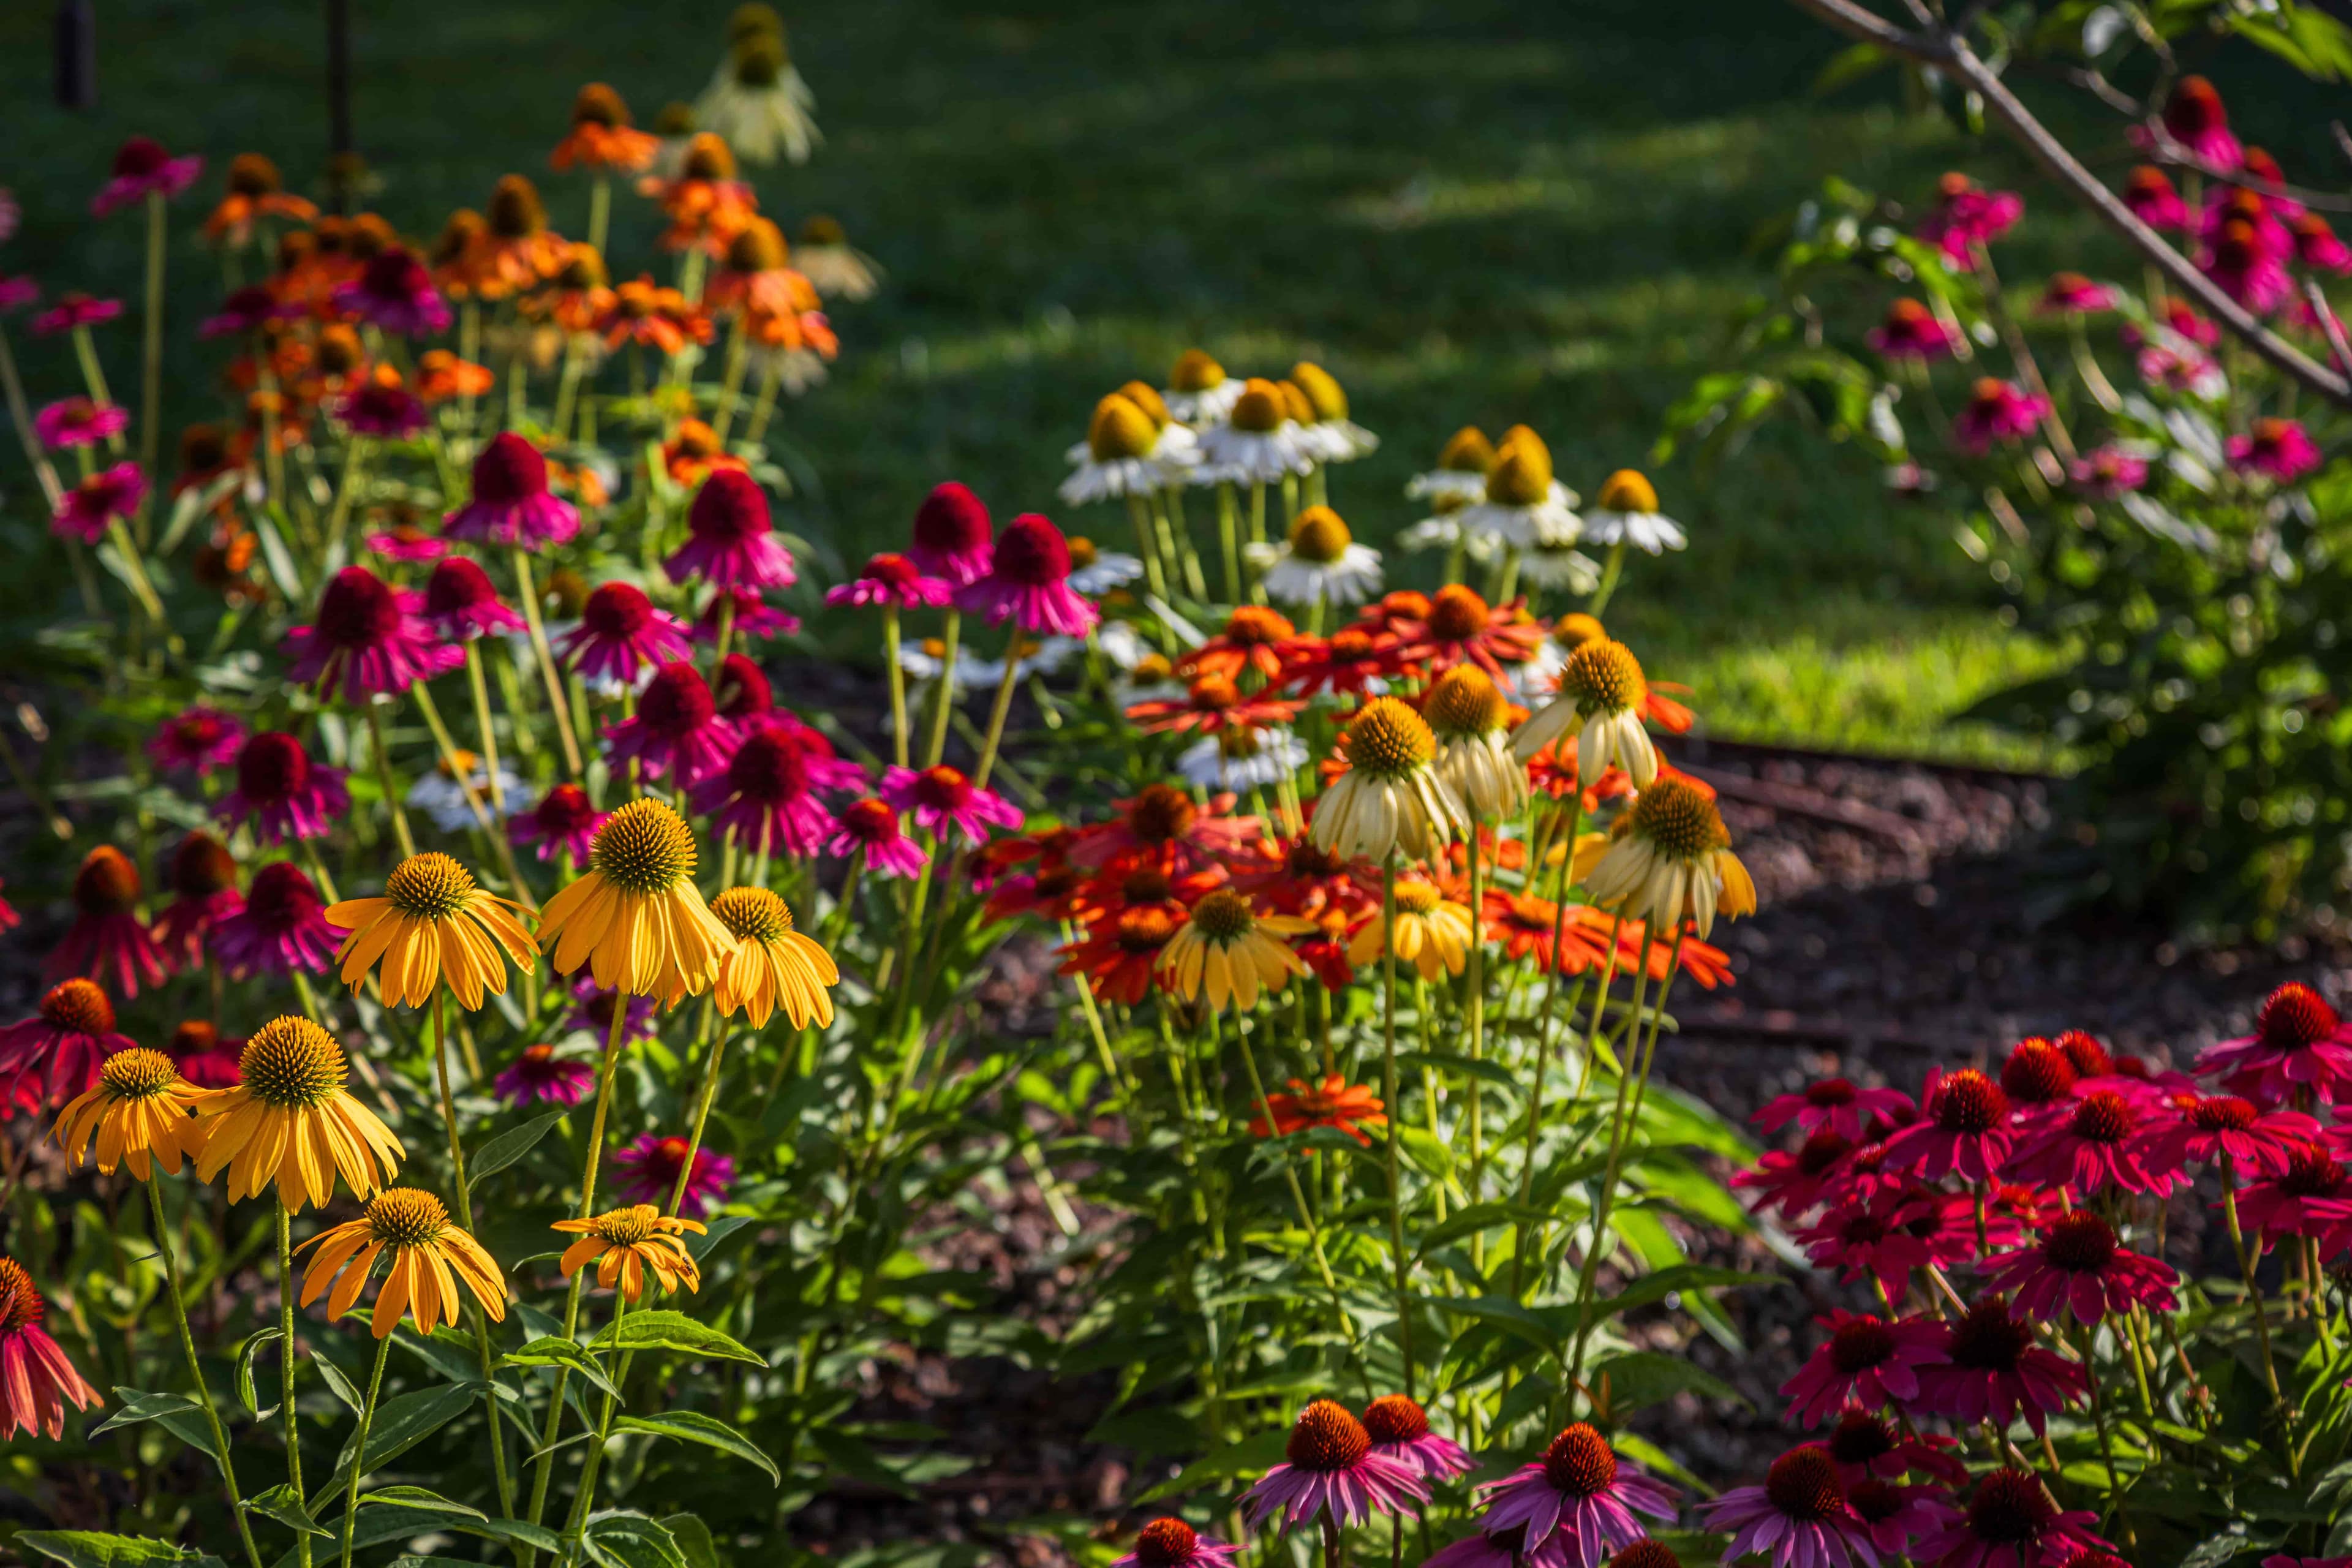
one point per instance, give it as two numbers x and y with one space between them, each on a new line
953 540
564 822
602 137
394 293
1870 1234
620 632
142 168
893 581
1867 1445
1328 1468
204 885
2079 1264
1334 1102
2311 1197
1866 1361
107 943
730 542
1992 1370
1524 924
744 693
511 503
281 930
77 422
1792 1182
90 508
1171 1544
2298 1043
1163 824
369 639
1966 1129
763 801
1353 661
461 603
755 619
55 1054
281 793
37 1380
1028 582
2209 1129
1255 637
1211 706
2010 1523
1462 628
204 1058
1841 1107
379 404
2091 1147
73 310
1119 956
646 1173
941 798
677 728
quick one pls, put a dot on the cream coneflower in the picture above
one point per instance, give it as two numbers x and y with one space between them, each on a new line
139 1112
772 964
1627 513
1461 471
628 1244
1523 505
1470 718
432 924
1390 797
1232 951
1336 438
1670 857
1199 392
1601 693
634 917
292 1122
1120 456
1433 932
1320 563
1258 442
429 1256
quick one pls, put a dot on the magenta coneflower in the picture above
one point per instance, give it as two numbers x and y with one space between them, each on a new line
203 884
2194 117
2298 1043
1582 1490
538 1075
107 943
2148 192
141 169
55 1054
375 405
942 797
564 822
2079 1264
37 1380
743 690
1793 1181
282 930
2073 293
646 1173
1399 1428
1911 330
369 638
827 768
592 1010
1170 1542
1865 1443
1894 1516
282 792
756 620
74 310
2210 1129
1029 583
2039 1079
407 543
1966 216
511 503
2010 1523
2247 266
870 828
2309 1197
763 801
79 422
677 728
199 738
1866 1361
620 632
2092 1147
205 1057
1799 1518
2277 448
2106 472
1837 1106
729 541
952 539
894 581
462 603
1871 1236
1966 1129
1329 1468
394 292
2316 246
1996 410
244 310
1994 1371
85 511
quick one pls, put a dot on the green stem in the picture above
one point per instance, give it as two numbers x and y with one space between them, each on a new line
701 1116
358 1450
556 702
899 737
151 380
286 1367
1228 519
943 692
340 516
196 1368
465 1219
996 715
1298 1198
1395 1112
482 724
383 777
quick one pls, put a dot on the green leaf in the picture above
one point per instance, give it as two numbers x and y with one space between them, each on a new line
554 1350
1489 1215
628 1539
1648 1377
1851 64
1493 1072
701 1247
419 1497
692 1426
855 1458
674 1331
1504 1314
135 1406
1657 1286
244 1354
400 1424
507 1147
693 1538
284 1504
93 1549
1426 1152
340 1383
267 526
1254 1453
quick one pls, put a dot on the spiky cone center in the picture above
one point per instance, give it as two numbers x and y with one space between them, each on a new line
1970 1103
1259 409
1327 1439
1223 917
1860 1437
2312 1173
2222 1114
1416 896
21 1306
1628 489
201 866
1645 1553
708 157
1861 1344
643 848
407 1216
1325 395
1032 552
1396 1418
2036 1072
80 1006
429 887
1457 613
598 104
1464 701
759 60
761 248
1319 535
1521 476
1196 371
1575 629
1580 1462
515 211
1604 676
2079 1242
1165 1543
138 1074
634 1225
292 1064
2085 1055
107 883
753 914
1254 626
1803 1484
1679 820
2102 1118
2294 1016
1120 429
1389 740
1295 405
2010 1506
251 175
1989 1339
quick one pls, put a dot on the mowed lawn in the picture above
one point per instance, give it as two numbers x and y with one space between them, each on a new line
1470 212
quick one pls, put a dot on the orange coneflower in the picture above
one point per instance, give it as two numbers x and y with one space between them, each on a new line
576 294
642 311
1231 952
1120 954
1462 628
1255 639
1524 924
256 190
456 255
772 964
291 1122
757 274
634 917
517 250
628 1244
1211 705
1334 1102
431 923
429 1256
139 1112
690 456
706 203
602 137
441 376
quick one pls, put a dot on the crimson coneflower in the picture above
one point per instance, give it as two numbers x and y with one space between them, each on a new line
1799 1518
870 828
77 422
107 942
1354 661
1865 1443
2078 1263
281 793
762 800
1329 1469
2311 1197
2010 1523
394 293
1162 825
1170 1542
1253 637
369 639
90 508
381 404
1966 1129
1992 1370
730 542
1399 1428
1211 705
55 1053
37 1380
564 822
2209 1129
621 633
2298 1043
1866 1361
677 728
1028 582
891 581
204 885
2095 1145
1334 1102
1837 1105
1792 1182
647 1171
1119 954
204 1056
1581 1488
2039 1079
952 539
1462 628
281 930
199 738
140 168
1869 1236
461 603
511 503
539 1075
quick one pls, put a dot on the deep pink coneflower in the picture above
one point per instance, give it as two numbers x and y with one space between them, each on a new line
408 544
1029 583
2106 472
1965 1128
511 503
620 632
646 1173
2079 1264
1799 1518
744 693
375 406
1329 1467
2194 116
1170 1542
1866 1444
2298 1043
107 942
1966 216
281 791
827 768
79 422
37 1380
2009 1522
55 1054
2311 1197
1791 1180
1992 1370
1997 410
140 168
676 730
86 511
870 828
564 822
2247 266
1871 1237
282 930
247 310
394 292
952 538
368 639
538 1075
2072 293
755 619
2210 1129
2148 192
1582 1490
462 603
941 798
730 542
2276 447
75 310
1837 1105
763 801
892 581
1894 1516
203 888
2092 1147
592 1010
1866 1361
198 738
1911 330
1399 1430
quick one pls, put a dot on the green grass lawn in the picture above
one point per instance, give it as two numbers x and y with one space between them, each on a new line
1470 212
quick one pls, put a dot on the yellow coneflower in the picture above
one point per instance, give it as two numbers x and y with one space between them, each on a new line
628 1244
431 923
635 918
1669 857
292 1122
139 1113
1601 687
1433 931
1471 720
772 964
429 1256
1232 951
1390 797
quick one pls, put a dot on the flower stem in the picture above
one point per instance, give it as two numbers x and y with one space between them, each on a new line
196 1371
943 689
359 1449
899 737
466 1218
339 517
600 211
20 415
482 725
1395 1112
731 385
151 380
1228 509
996 715
1147 547
1299 1197
556 702
701 1116
286 1367
383 776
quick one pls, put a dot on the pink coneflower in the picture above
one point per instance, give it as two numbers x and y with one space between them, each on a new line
2309 1197
204 1058
1996 410
407 543
1994 1371
1582 1488
2277 448
942 797
2183 371
646 1173
2010 1523
1399 1428
1169 1542
592 1010
141 169
1510 1550
282 930
2195 118
1029 583
829 770
1892 1516
394 292
743 690
1866 1361
55 1054
1837 1106
1799 1517
1911 330
1793 1181
2210 1129
677 728
562 823
1966 1129
2092 1147
619 633
17 292
1868 1445
763 801
369 638
204 880
2104 473
37 1380
2148 192
953 537
199 738
870 828
375 406
512 504
2073 293
107 943
2298 1043
1871 1237
1966 216
74 310
79 422
2316 246
729 540
756 620
538 1075
1329 1468
247 310
282 792
2246 266
894 581
86 511
462 603
2079 1264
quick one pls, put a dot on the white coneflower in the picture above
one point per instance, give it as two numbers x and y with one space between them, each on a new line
1628 514
1669 860
1320 563
1442 529
758 104
437 795
1117 456
1258 443
1390 797
925 661
1560 566
1242 758
1539 677
1338 439
1469 716
1602 690
1095 570
1461 471
1199 392
1524 506
834 269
